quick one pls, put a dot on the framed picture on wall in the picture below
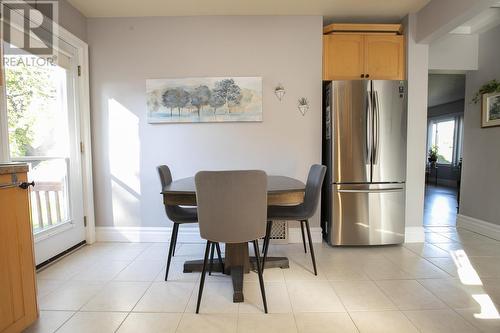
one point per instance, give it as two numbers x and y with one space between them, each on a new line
490 114
204 99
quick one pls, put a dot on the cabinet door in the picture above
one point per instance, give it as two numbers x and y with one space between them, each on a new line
343 57
384 57
18 308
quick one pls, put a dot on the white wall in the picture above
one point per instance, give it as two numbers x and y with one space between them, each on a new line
125 52
480 194
454 52
417 75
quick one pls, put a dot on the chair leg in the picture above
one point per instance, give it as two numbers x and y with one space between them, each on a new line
173 239
202 280
267 236
212 249
259 271
311 246
219 254
267 240
303 236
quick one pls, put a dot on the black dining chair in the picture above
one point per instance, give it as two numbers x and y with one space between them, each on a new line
180 215
302 212
232 208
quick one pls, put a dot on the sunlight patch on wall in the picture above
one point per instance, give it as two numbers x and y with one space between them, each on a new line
124 146
124 163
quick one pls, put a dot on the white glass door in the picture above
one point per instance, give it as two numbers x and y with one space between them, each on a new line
44 131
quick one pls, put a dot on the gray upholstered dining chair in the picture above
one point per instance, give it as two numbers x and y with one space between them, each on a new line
232 208
302 212
179 215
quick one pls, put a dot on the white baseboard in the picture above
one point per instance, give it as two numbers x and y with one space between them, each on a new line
295 236
414 234
484 228
187 234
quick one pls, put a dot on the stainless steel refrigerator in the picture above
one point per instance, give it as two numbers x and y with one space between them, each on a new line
364 148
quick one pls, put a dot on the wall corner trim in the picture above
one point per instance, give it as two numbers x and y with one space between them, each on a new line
414 234
482 227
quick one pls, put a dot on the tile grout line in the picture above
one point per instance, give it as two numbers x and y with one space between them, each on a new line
79 310
291 304
63 323
450 307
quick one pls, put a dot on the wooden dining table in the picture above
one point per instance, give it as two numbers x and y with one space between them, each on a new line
281 190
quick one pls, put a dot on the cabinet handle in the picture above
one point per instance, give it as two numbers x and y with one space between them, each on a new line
25 185
362 75
367 75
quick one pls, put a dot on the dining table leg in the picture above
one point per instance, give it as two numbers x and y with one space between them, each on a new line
237 263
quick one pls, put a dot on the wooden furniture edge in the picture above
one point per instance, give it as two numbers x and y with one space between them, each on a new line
363 28
8 168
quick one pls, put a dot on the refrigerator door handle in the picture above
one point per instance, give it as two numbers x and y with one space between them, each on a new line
372 190
376 127
369 123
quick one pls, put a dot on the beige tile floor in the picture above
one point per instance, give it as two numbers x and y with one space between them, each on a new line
450 283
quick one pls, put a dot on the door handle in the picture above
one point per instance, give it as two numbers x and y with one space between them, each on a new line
376 125
373 191
369 128
25 185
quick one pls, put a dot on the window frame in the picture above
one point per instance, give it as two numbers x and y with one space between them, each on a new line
458 118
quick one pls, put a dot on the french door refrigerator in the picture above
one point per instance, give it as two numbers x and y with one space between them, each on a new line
364 148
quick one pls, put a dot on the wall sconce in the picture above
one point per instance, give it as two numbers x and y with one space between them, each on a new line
303 105
279 91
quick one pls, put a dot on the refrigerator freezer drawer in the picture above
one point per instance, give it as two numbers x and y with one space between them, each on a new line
368 215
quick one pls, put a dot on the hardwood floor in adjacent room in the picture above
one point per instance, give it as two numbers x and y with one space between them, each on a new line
440 208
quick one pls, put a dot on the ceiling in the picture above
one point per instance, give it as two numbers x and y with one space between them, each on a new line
445 88
352 10
482 22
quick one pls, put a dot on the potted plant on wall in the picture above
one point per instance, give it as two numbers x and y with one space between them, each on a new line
433 155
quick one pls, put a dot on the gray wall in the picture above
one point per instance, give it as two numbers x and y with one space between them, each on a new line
447 108
72 20
124 52
481 170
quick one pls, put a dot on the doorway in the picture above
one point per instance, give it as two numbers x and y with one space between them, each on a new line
43 124
445 117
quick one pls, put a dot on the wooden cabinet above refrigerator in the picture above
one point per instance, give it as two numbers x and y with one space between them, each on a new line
353 52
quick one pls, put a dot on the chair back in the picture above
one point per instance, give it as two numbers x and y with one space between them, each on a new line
313 189
165 175
166 179
232 205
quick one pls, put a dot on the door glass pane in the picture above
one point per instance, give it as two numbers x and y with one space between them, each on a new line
444 140
38 128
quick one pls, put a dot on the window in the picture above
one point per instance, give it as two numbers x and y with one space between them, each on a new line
38 130
446 135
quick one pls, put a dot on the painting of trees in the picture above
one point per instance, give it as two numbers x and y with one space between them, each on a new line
200 97
204 99
175 98
216 100
169 99
229 92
